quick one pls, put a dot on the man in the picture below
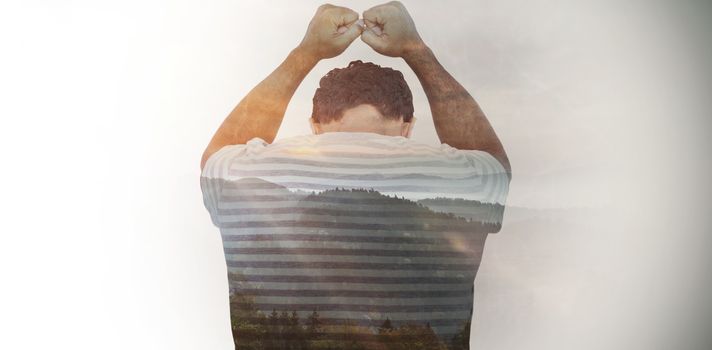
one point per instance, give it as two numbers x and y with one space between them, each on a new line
355 236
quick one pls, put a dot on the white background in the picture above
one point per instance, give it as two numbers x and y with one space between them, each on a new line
603 107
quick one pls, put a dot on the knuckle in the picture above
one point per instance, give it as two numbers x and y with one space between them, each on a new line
374 11
395 6
347 12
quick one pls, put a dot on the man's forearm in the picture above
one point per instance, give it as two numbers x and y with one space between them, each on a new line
458 119
260 113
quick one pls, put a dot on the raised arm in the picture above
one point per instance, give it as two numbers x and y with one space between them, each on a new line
260 113
458 119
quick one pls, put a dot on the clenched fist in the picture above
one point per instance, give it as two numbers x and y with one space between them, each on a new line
331 31
390 30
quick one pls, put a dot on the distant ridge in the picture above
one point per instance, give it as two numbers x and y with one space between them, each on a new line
442 207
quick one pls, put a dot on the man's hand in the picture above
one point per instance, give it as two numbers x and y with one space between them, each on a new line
330 32
390 30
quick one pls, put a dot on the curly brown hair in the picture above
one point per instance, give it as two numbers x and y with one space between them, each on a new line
362 83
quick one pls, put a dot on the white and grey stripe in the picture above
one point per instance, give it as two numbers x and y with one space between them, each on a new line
358 226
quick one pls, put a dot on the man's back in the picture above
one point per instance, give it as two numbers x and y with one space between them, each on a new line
352 236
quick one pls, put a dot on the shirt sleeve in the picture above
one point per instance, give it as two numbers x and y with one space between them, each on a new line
217 171
495 184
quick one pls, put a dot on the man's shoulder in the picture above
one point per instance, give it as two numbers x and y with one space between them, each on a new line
368 142
352 138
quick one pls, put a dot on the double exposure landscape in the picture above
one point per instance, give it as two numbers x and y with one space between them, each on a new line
350 268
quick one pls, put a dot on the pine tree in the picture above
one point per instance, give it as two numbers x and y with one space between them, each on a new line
295 333
274 318
314 325
284 318
386 326
294 318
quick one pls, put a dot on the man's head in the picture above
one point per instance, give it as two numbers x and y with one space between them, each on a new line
363 97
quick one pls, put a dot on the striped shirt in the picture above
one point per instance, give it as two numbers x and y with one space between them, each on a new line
356 227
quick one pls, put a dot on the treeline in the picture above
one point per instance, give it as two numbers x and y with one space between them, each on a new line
376 201
253 330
